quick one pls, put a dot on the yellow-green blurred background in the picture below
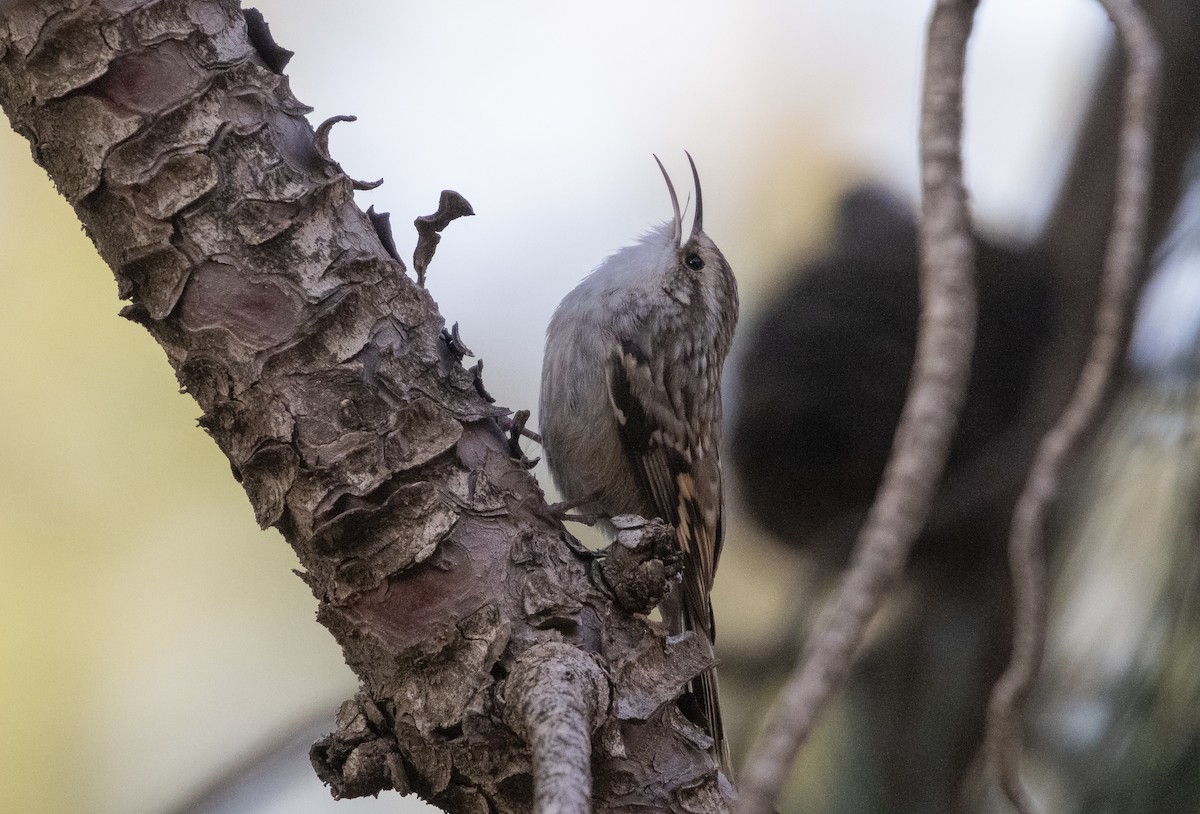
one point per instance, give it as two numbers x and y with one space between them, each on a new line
150 634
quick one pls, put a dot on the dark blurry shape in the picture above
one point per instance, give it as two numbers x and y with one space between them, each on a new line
825 374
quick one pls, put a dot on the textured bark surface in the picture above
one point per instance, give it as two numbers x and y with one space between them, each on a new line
322 374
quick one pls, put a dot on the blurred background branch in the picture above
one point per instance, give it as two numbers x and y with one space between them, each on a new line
1123 260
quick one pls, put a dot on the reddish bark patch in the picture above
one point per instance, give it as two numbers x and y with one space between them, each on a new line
259 312
151 80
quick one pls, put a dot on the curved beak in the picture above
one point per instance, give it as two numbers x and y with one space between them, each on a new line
677 223
698 220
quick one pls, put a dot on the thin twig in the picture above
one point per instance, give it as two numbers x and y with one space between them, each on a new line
556 696
1124 251
940 372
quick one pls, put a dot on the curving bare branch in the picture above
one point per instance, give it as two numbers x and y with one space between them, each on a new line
937 388
1122 261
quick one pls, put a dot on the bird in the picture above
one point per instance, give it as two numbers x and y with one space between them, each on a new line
630 407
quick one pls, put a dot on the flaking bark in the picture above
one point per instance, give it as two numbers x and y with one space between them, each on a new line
349 421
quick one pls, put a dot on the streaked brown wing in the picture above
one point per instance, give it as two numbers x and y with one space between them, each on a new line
676 468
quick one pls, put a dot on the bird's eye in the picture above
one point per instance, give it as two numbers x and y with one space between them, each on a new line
694 261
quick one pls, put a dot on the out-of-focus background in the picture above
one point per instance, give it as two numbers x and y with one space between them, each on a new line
151 637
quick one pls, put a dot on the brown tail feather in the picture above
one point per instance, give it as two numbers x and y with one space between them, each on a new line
704 689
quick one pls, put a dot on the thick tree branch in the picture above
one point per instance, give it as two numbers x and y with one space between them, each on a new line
324 376
1122 263
940 373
